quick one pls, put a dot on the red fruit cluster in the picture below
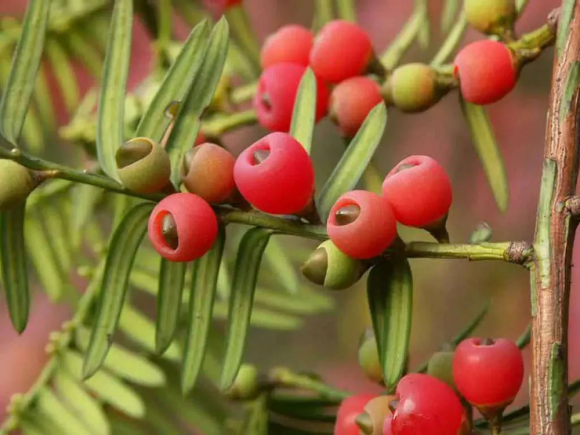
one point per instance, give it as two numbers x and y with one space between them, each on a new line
486 70
488 373
341 51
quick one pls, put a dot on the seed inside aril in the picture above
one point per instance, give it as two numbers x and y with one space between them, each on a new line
169 230
315 268
347 215
260 156
365 423
405 166
266 100
487 342
131 152
187 160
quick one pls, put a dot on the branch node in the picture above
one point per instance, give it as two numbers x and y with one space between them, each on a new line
519 252
572 205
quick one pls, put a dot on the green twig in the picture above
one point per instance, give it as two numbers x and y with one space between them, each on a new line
397 49
222 124
451 42
283 377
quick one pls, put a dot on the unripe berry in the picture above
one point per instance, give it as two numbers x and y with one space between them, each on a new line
276 94
351 101
441 367
275 174
143 165
413 87
182 227
350 408
246 385
368 356
341 50
16 183
487 71
376 410
419 191
361 224
290 43
330 267
208 171
426 406
488 373
489 16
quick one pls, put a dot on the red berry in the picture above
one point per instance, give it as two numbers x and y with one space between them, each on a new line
486 71
290 43
208 171
426 406
387 426
276 94
199 139
349 410
275 174
488 373
219 7
361 224
341 50
182 227
351 101
419 191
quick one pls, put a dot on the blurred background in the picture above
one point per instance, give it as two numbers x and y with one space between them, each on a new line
448 293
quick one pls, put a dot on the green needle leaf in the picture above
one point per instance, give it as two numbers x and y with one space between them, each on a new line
450 9
246 271
304 115
50 407
188 122
201 303
355 160
110 135
276 256
390 295
169 297
22 78
13 266
346 10
64 73
122 251
488 150
176 84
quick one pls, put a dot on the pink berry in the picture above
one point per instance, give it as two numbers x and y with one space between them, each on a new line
361 224
486 71
275 174
290 43
182 227
351 101
426 406
419 191
488 373
276 94
349 410
387 426
341 50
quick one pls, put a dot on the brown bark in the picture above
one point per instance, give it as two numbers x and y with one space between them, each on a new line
555 235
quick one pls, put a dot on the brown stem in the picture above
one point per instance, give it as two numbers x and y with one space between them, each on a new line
555 236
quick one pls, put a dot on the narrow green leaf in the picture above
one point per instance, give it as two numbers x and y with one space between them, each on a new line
108 388
279 261
43 101
125 363
29 428
64 73
424 35
246 271
451 42
84 202
300 303
50 407
201 301
355 160
56 226
79 47
42 258
176 84
488 150
13 265
256 421
111 118
122 251
346 10
304 115
450 9
38 421
199 96
169 297
245 37
263 318
33 132
16 98
141 329
323 13
390 295
144 280
85 407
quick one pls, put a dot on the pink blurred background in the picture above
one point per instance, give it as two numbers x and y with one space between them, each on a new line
448 293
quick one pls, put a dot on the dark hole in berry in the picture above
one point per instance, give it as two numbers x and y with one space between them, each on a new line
347 215
260 156
393 405
316 266
187 160
487 342
169 231
266 100
405 166
131 152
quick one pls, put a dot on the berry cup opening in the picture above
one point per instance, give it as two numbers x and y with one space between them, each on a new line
259 156
169 230
347 214
133 151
